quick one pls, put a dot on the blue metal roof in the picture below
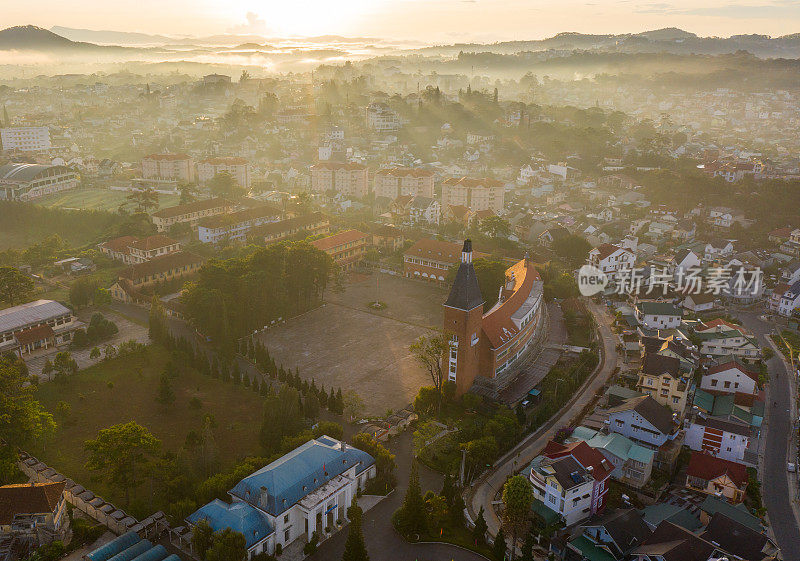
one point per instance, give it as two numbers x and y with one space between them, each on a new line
156 553
300 472
238 516
133 551
114 546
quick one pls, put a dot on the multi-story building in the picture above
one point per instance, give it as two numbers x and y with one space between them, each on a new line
724 438
189 213
298 495
24 182
25 139
313 224
130 249
487 349
633 464
40 324
399 182
137 279
238 168
424 210
563 486
611 259
381 118
346 248
168 167
650 424
475 194
236 225
431 259
33 514
592 461
662 379
344 178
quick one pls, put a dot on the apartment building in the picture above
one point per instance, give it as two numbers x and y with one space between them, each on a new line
381 118
399 182
238 168
236 225
312 224
343 178
25 139
475 194
168 167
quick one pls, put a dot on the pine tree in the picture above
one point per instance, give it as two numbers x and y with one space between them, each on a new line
165 394
255 384
499 548
246 380
412 513
265 389
354 548
323 397
237 374
479 531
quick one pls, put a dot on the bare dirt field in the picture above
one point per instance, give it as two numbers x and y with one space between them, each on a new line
345 343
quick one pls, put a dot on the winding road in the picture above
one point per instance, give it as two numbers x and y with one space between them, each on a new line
486 487
778 496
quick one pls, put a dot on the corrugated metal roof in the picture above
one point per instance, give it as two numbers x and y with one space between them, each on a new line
16 317
22 173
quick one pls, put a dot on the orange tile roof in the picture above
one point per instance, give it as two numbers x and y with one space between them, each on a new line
499 318
120 245
336 240
606 249
405 172
153 242
167 157
33 334
225 160
707 468
437 250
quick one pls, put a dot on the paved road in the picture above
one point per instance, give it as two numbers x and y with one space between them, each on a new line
777 494
383 543
521 455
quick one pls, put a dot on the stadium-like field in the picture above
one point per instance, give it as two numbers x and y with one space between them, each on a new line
97 199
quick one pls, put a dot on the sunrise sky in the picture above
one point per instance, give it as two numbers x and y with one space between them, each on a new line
427 20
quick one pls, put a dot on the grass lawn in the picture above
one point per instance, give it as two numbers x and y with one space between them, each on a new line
96 199
94 406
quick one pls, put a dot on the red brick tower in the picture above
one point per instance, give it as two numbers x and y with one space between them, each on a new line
463 314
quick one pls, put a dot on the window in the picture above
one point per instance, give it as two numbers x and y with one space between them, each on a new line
286 519
713 383
286 535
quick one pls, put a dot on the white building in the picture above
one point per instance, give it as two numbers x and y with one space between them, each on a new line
611 259
425 210
730 377
474 193
306 491
400 182
24 182
658 315
564 486
236 225
723 438
26 139
381 118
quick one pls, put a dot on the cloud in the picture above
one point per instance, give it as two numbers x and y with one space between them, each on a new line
254 25
775 9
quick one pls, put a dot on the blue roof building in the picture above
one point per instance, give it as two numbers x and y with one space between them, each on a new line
305 491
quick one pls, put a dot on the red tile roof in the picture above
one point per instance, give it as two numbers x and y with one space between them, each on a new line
606 249
339 239
497 323
153 242
26 498
733 364
438 250
120 245
720 322
584 454
34 334
707 467
159 265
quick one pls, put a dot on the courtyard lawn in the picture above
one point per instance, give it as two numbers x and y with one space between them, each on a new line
96 199
124 389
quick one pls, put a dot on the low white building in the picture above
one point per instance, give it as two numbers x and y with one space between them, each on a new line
40 324
306 491
658 315
730 377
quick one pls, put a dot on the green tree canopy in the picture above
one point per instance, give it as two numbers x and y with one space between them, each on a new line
15 286
22 417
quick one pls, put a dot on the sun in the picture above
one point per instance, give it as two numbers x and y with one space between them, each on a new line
297 17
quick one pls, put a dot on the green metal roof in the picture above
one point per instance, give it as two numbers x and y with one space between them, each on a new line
549 516
738 512
704 400
590 551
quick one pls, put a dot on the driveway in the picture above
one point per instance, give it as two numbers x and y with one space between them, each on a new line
779 497
383 543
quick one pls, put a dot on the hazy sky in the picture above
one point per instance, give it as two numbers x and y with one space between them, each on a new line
429 20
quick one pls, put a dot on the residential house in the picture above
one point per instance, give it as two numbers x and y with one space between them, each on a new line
730 376
712 253
611 259
611 538
739 540
633 464
716 476
683 264
563 486
700 302
728 439
552 234
738 512
459 214
658 315
425 210
721 338
671 542
591 460
650 424
786 299
661 378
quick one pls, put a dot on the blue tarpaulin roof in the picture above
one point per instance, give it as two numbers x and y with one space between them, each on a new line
113 547
300 472
238 516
